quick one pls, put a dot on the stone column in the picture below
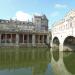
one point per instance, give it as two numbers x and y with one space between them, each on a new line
0 39
48 41
33 40
28 40
11 39
43 39
17 39
23 38
5 39
61 47
38 39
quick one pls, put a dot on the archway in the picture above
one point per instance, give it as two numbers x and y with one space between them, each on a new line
69 43
55 42
68 54
55 49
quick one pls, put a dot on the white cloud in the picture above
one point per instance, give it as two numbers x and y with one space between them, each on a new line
60 6
22 16
54 14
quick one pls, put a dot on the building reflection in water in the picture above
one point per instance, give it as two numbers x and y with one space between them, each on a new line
65 64
23 61
36 61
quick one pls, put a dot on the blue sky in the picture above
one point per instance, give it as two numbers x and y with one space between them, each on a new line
53 9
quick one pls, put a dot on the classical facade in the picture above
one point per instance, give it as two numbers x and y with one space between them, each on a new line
24 33
63 32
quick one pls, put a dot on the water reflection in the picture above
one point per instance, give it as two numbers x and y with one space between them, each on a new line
69 61
25 61
36 61
65 64
55 51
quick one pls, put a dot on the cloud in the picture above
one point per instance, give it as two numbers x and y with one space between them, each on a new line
60 6
22 16
54 14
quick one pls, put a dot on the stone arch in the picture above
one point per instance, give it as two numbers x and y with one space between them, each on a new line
69 43
68 54
55 48
56 41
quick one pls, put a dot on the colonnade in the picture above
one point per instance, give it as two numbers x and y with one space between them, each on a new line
23 39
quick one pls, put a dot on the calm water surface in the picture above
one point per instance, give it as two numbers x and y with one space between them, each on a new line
25 61
36 61
63 63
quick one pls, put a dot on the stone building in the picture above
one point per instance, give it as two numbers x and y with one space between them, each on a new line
24 33
63 32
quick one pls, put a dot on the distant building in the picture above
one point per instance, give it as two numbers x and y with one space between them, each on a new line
24 33
41 23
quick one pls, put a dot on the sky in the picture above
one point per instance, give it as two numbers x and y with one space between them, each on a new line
25 9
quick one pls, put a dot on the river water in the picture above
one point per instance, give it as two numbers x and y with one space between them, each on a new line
36 61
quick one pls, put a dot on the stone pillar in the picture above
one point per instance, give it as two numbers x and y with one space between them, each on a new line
33 40
38 39
17 39
5 39
0 39
43 39
28 40
11 39
60 47
48 41
23 38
